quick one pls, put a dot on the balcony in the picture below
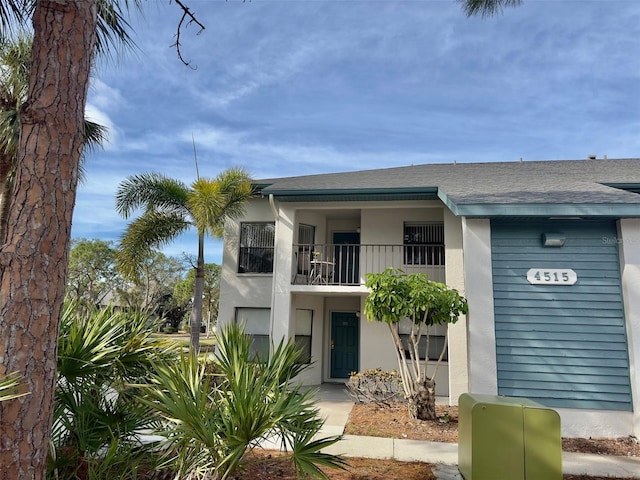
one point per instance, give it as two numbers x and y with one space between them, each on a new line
348 264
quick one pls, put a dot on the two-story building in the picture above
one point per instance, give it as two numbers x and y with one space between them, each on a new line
547 254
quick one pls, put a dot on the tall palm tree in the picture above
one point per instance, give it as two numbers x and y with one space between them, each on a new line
170 208
15 65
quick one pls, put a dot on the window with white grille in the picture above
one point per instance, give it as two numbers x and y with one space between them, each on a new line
257 242
424 243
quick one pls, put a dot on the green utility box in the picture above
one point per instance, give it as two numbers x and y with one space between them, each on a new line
505 438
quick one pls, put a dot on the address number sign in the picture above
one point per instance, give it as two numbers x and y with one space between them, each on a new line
551 276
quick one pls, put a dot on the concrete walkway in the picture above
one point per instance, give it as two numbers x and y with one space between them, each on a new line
335 406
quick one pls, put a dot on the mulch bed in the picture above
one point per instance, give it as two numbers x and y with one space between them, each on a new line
393 421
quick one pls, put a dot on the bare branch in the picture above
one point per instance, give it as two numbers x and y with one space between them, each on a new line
444 349
189 17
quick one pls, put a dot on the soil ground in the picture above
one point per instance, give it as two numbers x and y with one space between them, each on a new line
394 422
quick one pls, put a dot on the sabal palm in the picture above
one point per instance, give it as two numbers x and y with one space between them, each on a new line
102 354
212 421
15 65
170 208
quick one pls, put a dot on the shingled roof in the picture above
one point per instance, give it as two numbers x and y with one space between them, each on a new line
562 187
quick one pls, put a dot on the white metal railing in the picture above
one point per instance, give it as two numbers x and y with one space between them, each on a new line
348 264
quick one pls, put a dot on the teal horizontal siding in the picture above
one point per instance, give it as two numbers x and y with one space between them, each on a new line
562 345
595 358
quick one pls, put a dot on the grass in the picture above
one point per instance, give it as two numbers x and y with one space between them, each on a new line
182 339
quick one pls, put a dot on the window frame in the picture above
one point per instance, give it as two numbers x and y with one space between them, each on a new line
425 247
259 339
308 344
245 261
436 334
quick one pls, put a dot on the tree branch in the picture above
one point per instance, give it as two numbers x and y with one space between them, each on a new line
186 14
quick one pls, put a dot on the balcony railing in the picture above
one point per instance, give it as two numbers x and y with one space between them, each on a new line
348 264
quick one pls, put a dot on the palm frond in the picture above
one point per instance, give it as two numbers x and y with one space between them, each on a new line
113 28
152 191
235 185
10 386
100 353
147 232
487 8
14 15
90 345
181 393
214 201
308 457
9 133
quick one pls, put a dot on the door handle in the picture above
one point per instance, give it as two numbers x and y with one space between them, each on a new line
332 345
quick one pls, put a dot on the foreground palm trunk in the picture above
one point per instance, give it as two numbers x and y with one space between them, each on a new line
33 260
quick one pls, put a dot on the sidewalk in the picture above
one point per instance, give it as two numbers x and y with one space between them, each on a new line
335 406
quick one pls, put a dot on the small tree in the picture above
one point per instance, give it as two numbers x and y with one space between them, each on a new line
394 296
92 271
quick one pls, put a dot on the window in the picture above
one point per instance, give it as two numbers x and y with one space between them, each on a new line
306 239
436 340
256 247
256 323
423 244
306 234
304 322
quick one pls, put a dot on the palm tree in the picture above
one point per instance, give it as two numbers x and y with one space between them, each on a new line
171 208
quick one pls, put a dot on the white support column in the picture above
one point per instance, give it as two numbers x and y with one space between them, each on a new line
483 371
629 248
281 318
454 265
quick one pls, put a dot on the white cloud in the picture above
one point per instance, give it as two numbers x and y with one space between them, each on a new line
293 88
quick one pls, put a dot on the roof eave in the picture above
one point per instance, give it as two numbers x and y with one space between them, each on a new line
548 210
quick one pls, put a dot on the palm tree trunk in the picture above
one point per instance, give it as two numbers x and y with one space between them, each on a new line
196 311
33 260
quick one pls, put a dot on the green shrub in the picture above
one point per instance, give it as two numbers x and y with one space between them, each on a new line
210 428
101 355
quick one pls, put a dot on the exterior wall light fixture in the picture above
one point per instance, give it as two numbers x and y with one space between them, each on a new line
553 239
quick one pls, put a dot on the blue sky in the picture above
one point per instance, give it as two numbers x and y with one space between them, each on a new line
302 87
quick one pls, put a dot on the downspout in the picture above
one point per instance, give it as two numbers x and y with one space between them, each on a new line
276 215
272 203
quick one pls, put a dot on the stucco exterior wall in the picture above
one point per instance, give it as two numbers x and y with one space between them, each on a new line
629 248
482 366
315 303
458 378
386 225
243 289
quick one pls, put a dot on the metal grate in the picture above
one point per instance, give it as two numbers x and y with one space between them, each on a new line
424 244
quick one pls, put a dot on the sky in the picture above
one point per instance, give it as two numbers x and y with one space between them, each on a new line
286 88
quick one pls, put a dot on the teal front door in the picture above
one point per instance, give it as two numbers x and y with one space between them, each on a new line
344 344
